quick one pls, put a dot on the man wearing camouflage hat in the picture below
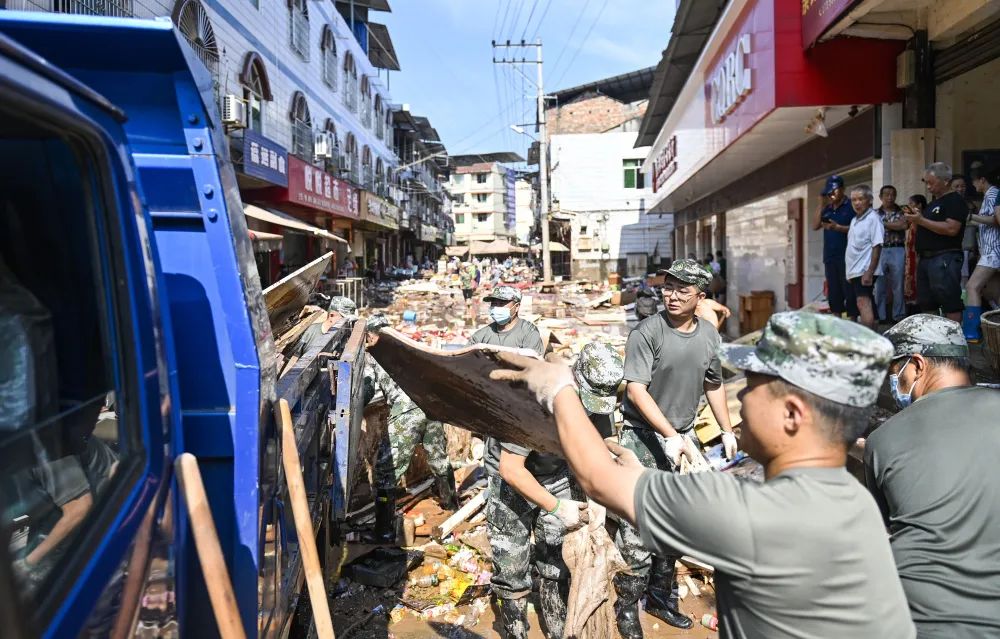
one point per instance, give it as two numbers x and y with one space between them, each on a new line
536 493
340 308
407 427
802 555
670 362
933 471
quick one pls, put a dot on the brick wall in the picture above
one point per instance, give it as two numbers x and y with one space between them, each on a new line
592 113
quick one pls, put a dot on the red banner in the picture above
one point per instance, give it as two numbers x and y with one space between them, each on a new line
818 16
313 187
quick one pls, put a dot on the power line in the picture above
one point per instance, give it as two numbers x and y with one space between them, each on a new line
503 22
582 42
570 37
534 5
538 27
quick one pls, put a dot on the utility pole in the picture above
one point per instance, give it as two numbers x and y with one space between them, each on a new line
543 156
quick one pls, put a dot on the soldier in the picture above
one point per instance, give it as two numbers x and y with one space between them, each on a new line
536 493
803 554
670 361
340 308
944 525
407 427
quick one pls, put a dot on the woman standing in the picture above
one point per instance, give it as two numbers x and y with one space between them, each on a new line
989 249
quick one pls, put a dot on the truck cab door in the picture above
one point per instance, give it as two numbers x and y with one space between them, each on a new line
86 420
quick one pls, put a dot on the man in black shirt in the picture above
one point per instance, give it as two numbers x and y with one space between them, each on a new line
939 245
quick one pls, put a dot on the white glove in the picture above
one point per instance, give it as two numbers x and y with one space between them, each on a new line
672 447
574 514
730 445
544 378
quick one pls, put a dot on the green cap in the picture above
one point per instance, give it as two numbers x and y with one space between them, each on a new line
343 305
825 355
690 272
599 371
377 322
928 335
504 294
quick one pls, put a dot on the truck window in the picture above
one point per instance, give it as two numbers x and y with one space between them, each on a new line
67 445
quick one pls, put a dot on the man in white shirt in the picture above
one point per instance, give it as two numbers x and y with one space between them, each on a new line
864 248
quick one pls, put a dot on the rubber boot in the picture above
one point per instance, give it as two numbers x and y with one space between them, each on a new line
629 589
552 595
662 598
385 516
514 617
970 324
446 493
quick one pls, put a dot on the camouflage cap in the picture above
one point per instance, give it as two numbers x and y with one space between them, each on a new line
377 322
599 371
343 305
928 335
825 355
504 294
690 272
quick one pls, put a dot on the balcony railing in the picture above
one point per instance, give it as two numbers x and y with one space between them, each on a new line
112 8
302 141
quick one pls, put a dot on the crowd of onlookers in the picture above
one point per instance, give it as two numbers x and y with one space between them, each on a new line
941 256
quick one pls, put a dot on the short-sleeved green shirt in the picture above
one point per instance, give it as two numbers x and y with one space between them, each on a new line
674 366
802 555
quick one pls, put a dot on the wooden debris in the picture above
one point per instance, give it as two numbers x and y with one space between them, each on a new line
470 508
692 586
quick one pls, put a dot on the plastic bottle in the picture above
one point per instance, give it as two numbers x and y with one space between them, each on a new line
710 621
426 581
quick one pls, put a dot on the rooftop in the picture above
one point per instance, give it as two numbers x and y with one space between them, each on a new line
627 87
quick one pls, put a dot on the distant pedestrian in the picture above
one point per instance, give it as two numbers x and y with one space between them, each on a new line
469 281
864 250
834 216
893 259
721 259
939 245
988 265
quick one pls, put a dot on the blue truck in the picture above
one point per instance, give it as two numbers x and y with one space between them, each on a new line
134 329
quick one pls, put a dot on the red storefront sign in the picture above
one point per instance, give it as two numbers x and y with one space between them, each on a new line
818 16
665 163
312 187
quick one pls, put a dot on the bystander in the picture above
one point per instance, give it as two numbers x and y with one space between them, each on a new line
889 287
988 264
939 244
834 216
864 249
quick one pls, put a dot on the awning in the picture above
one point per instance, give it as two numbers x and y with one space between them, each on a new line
496 247
554 247
287 221
456 251
264 242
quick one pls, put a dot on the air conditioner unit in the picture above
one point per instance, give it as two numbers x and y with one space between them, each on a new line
233 111
323 147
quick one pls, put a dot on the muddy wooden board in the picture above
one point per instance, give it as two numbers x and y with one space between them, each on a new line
289 295
455 387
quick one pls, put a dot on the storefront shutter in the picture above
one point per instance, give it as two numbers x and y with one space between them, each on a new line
967 54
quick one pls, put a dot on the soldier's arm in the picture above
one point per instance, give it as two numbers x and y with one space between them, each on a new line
639 395
513 472
719 403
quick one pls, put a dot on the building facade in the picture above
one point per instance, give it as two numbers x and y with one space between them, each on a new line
598 181
764 100
302 92
485 204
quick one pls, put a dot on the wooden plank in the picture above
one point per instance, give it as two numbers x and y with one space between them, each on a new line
470 508
289 295
455 387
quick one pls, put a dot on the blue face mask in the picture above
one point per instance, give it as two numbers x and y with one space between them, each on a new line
902 399
500 315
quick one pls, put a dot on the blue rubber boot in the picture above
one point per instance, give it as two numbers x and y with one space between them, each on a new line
970 323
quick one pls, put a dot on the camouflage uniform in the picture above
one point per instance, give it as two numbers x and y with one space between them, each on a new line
511 519
408 426
343 305
928 335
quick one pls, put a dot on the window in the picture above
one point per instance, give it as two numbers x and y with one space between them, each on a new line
352 167
380 186
366 169
328 51
256 90
379 118
366 102
192 21
302 132
634 177
482 217
482 197
460 218
69 436
481 178
298 28
350 83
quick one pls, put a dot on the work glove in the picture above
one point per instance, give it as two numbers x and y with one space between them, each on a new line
730 445
574 514
673 446
623 456
544 378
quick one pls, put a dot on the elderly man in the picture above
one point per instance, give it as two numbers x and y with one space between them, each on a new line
864 249
939 244
893 258
407 427
670 362
834 216
933 471
802 555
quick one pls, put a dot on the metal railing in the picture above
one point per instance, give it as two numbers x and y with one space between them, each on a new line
302 141
298 32
113 8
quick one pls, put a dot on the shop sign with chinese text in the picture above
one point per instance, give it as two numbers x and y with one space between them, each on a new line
665 163
378 211
264 159
311 186
818 16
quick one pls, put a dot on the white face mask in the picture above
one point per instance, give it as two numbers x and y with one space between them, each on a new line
902 399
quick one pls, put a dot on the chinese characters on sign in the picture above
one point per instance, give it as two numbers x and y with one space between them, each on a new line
818 16
731 81
665 163
376 210
264 159
312 186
